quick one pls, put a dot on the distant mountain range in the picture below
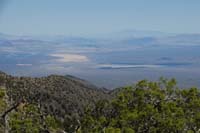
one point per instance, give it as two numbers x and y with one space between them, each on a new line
129 36
84 56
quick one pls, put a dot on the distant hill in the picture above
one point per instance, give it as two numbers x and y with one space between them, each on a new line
60 96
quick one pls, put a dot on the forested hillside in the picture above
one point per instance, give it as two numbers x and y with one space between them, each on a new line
56 104
63 97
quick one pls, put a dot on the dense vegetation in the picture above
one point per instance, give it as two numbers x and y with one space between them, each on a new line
24 117
62 98
145 107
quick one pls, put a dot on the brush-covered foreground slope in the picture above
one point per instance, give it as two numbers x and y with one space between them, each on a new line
60 96
146 107
55 104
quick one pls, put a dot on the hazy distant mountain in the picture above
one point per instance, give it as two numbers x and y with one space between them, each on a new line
126 36
181 39
8 37
32 55
136 34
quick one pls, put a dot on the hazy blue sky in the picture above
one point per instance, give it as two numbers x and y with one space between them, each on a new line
86 17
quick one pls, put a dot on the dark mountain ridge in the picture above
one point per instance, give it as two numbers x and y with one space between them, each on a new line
60 96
